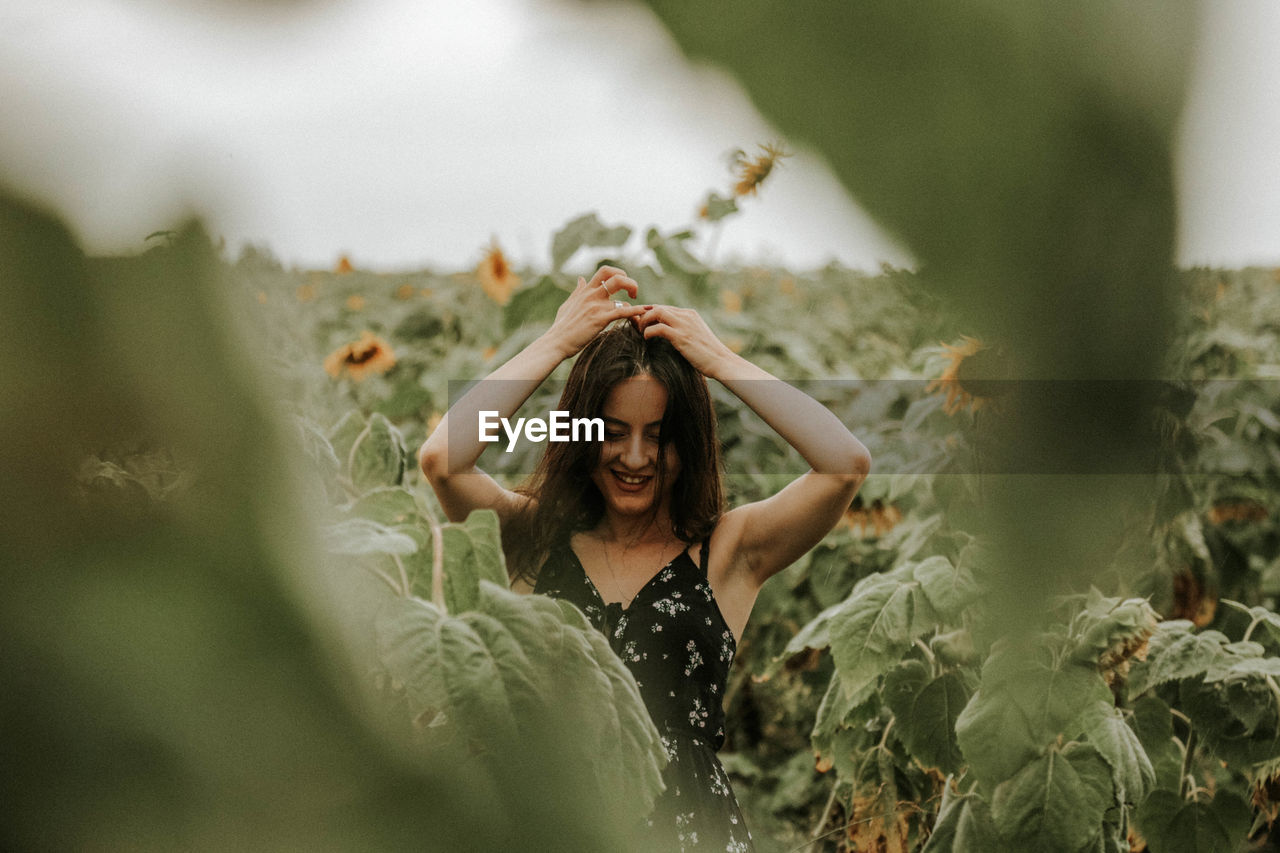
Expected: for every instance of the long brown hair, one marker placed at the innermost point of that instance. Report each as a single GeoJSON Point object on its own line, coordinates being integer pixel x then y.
{"type": "Point", "coordinates": [565, 498]}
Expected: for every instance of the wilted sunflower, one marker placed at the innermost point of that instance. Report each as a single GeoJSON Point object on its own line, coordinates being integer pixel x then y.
{"type": "Point", "coordinates": [973, 376]}
{"type": "Point", "coordinates": [496, 276]}
{"type": "Point", "coordinates": [369, 355]}
{"type": "Point", "coordinates": [879, 517]}
{"type": "Point", "coordinates": [751, 173]}
{"type": "Point", "coordinates": [1237, 510]}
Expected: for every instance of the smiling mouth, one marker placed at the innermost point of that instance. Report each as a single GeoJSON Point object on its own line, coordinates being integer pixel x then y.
{"type": "Point", "coordinates": [630, 481]}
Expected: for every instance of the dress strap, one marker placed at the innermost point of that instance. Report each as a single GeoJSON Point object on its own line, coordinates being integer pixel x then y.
{"type": "Point", "coordinates": [702, 558]}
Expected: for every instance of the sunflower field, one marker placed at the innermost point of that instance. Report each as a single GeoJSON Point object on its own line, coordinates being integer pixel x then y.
{"type": "Point", "coordinates": [235, 616]}
{"type": "Point", "coordinates": [877, 701]}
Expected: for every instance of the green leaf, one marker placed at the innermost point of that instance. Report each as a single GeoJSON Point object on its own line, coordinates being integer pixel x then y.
{"type": "Point", "coordinates": [1238, 716]}
{"type": "Point", "coordinates": [1025, 701]}
{"type": "Point", "coordinates": [537, 304]}
{"type": "Point", "coordinates": [522, 667]}
{"type": "Point", "coordinates": [448, 672]}
{"type": "Point", "coordinates": [1153, 724]}
{"type": "Point", "coordinates": [718, 207]}
{"type": "Point", "coordinates": [816, 634]}
{"type": "Point", "coordinates": [594, 696]}
{"type": "Point", "coordinates": [839, 710]}
{"type": "Point", "coordinates": [874, 626]}
{"type": "Point", "coordinates": [472, 553]}
{"type": "Point", "coordinates": [950, 589]}
{"type": "Point", "coordinates": [317, 447]}
{"type": "Point", "coordinates": [343, 434]}
{"type": "Point", "coordinates": [1176, 651]}
{"type": "Point", "coordinates": [1170, 823]}
{"type": "Point", "coordinates": [925, 711]}
{"type": "Point", "coordinates": [964, 824]}
{"type": "Point", "coordinates": [362, 536]}
{"type": "Point", "coordinates": [377, 456]}
{"type": "Point", "coordinates": [1267, 620]}
{"type": "Point", "coordinates": [1056, 802]}
{"type": "Point", "coordinates": [1105, 727]}
{"type": "Point", "coordinates": [674, 258]}
{"type": "Point", "coordinates": [586, 230]}
{"type": "Point", "coordinates": [389, 505]}
{"type": "Point", "coordinates": [407, 399]}
{"type": "Point", "coordinates": [995, 736]}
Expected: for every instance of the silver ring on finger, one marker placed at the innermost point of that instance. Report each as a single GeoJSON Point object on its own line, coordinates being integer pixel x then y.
{"type": "Point", "coordinates": [606, 290]}
{"type": "Point", "coordinates": [618, 303]}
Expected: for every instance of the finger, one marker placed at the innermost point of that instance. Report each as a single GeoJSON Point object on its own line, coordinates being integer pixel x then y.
{"type": "Point", "coordinates": [647, 317]}
{"type": "Point", "coordinates": [582, 282]}
{"type": "Point", "coordinates": [621, 282]}
{"type": "Point", "coordinates": [655, 313]}
{"type": "Point", "coordinates": [657, 330]}
{"type": "Point", "coordinates": [631, 312]}
{"type": "Point", "coordinates": [603, 274]}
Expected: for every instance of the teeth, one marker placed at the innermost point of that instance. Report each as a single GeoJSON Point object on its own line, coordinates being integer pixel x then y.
{"type": "Point", "coordinates": [631, 481]}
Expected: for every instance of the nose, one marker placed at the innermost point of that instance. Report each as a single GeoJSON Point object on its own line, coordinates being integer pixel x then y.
{"type": "Point", "coordinates": [634, 454]}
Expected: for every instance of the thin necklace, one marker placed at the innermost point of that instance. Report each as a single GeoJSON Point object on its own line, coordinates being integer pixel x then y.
{"type": "Point", "coordinates": [622, 598]}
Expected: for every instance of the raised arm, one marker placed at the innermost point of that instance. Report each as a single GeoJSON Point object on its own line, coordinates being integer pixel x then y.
{"type": "Point", "coordinates": [762, 538]}
{"type": "Point", "coordinates": [448, 456]}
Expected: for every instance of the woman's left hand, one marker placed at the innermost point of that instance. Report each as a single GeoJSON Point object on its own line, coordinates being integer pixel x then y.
{"type": "Point", "coordinates": [688, 333]}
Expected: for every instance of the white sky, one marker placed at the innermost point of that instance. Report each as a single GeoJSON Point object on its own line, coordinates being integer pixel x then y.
{"type": "Point", "coordinates": [407, 133]}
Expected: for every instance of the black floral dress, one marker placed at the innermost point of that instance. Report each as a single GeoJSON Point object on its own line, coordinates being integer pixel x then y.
{"type": "Point", "coordinates": [674, 639]}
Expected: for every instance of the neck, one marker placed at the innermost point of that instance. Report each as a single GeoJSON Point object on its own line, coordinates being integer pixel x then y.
{"type": "Point", "coordinates": [635, 530]}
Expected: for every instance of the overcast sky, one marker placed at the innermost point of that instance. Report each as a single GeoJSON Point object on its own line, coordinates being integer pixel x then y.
{"type": "Point", "coordinates": [408, 133]}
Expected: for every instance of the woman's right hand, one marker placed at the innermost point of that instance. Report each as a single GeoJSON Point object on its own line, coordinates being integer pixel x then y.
{"type": "Point", "coordinates": [591, 307]}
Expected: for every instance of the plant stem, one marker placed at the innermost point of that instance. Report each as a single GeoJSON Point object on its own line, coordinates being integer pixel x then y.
{"type": "Point", "coordinates": [1187, 755]}
{"type": "Point", "coordinates": [826, 813]}
{"type": "Point", "coordinates": [437, 564]}
{"type": "Point", "coordinates": [928, 653]}
{"type": "Point", "coordinates": [385, 578]}
{"type": "Point", "coordinates": [404, 576]}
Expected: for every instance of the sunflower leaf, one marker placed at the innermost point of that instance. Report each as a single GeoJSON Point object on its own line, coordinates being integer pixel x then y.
{"type": "Point", "coordinates": [585, 231]}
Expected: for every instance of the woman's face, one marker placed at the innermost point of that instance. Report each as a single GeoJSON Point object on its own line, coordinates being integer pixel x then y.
{"type": "Point", "coordinates": [629, 459]}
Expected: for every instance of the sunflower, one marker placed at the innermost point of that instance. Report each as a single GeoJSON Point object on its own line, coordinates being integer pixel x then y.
{"type": "Point", "coordinates": [972, 377]}
{"type": "Point", "coordinates": [355, 302]}
{"type": "Point", "coordinates": [496, 275]}
{"type": "Point", "coordinates": [344, 266]}
{"type": "Point", "coordinates": [406, 291]}
{"type": "Point", "coordinates": [306, 292]}
{"type": "Point", "coordinates": [1237, 510]}
{"type": "Point", "coordinates": [731, 301]}
{"type": "Point", "coordinates": [369, 355]}
{"type": "Point", "coordinates": [751, 173]}
{"type": "Point", "coordinates": [879, 517]}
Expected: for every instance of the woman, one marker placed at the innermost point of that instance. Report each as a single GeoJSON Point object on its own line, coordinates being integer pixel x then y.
{"type": "Point", "coordinates": [632, 529]}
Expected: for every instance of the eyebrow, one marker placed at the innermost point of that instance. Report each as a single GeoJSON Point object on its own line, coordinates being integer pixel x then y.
{"type": "Point", "coordinates": [624, 423]}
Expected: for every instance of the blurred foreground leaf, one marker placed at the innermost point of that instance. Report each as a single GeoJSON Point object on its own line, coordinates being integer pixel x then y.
{"type": "Point", "coordinates": [176, 676]}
